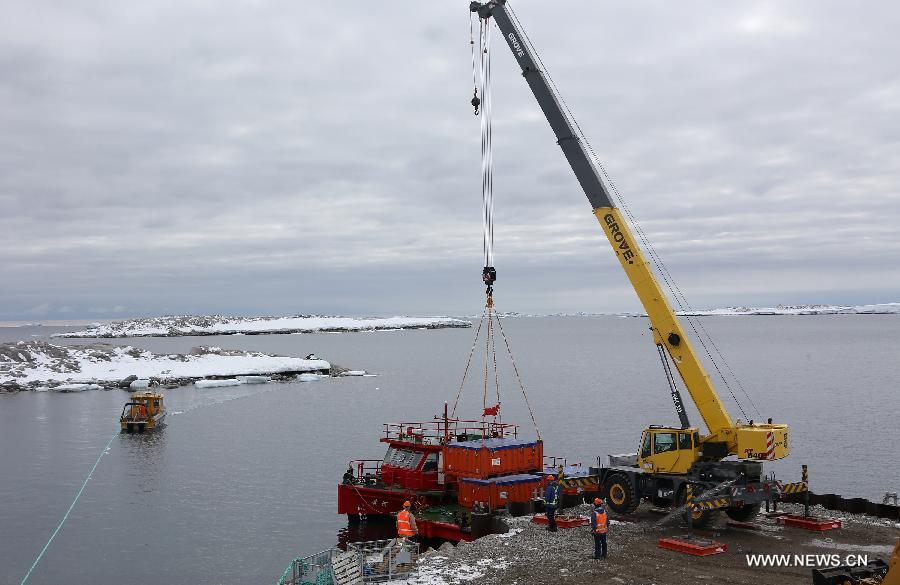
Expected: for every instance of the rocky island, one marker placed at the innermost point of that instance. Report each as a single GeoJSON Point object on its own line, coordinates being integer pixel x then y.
{"type": "Point", "coordinates": [30, 365]}
{"type": "Point", "coordinates": [186, 325]}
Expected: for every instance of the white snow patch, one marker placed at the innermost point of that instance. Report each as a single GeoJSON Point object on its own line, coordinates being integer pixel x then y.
{"type": "Point", "coordinates": [857, 548]}
{"type": "Point", "coordinates": [37, 361]}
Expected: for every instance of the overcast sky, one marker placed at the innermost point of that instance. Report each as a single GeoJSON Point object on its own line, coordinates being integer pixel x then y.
{"type": "Point", "coordinates": [272, 157]}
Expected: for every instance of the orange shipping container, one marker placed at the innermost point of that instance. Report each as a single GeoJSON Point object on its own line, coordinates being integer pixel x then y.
{"type": "Point", "coordinates": [492, 457]}
{"type": "Point", "coordinates": [498, 491]}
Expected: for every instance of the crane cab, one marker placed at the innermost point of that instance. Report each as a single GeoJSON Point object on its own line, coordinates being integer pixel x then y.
{"type": "Point", "coordinates": [668, 450]}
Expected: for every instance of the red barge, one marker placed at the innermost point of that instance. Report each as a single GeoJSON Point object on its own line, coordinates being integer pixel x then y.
{"type": "Point", "coordinates": [457, 473]}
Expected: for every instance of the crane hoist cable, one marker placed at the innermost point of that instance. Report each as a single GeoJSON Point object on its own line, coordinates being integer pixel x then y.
{"type": "Point", "coordinates": [489, 274]}
{"type": "Point", "coordinates": [476, 102]}
{"type": "Point", "coordinates": [491, 317]}
{"type": "Point", "coordinates": [481, 74]}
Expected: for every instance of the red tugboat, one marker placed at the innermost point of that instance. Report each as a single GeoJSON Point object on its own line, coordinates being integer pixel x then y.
{"type": "Point", "coordinates": [455, 472]}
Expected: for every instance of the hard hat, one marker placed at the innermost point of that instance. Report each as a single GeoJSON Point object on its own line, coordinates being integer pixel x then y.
{"type": "Point", "coordinates": [598, 502]}
{"type": "Point", "coordinates": [406, 504]}
{"type": "Point", "coordinates": [551, 478]}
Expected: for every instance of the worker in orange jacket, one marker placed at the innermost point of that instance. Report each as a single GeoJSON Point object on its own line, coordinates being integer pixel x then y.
{"type": "Point", "coordinates": [599, 528]}
{"type": "Point", "coordinates": [406, 522]}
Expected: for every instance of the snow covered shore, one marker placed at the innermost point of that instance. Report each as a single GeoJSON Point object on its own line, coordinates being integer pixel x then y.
{"type": "Point", "coordinates": [28, 364]}
{"type": "Point", "coordinates": [183, 325]}
{"type": "Point", "coordinates": [877, 309]}
{"type": "Point", "coordinates": [880, 309]}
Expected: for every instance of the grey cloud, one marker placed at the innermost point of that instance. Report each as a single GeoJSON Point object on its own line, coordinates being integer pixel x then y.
{"type": "Point", "coordinates": [268, 157]}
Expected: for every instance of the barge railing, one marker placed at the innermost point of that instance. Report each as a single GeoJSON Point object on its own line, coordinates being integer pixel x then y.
{"type": "Point", "coordinates": [442, 430]}
{"type": "Point", "coordinates": [366, 468]}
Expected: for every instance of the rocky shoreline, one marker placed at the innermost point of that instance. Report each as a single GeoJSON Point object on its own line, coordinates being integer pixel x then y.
{"type": "Point", "coordinates": [155, 382]}
{"type": "Point", "coordinates": [528, 554]}
{"type": "Point", "coordinates": [38, 365]}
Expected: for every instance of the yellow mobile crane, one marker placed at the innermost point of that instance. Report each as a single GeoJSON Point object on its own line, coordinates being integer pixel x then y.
{"type": "Point", "coordinates": [669, 458]}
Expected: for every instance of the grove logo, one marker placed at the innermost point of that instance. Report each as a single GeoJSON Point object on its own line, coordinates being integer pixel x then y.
{"type": "Point", "coordinates": [515, 44]}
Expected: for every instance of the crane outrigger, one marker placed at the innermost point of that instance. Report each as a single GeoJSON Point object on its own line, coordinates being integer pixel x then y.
{"type": "Point", "coordinates": [669, 458]}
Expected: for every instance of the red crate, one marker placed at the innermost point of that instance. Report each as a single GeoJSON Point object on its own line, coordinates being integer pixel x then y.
{"type": "Point", "coordinates": [492, 457]}
{"type": "Point", "coordinates": [807, 523]}
{"type": "Point", "coordinates": [697, 547]}
{"type": "Point", "coordinates": [497, 491]}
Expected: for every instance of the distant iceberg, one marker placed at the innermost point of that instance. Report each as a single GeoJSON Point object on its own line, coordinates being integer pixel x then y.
{"type": "Point", "coordinates": [184, 325]}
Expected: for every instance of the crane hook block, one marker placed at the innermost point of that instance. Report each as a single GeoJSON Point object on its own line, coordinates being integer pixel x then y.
{"type": "Point", "coordinates": [489, 275]}
{"type": "Point", "coordinates": [475, 101]}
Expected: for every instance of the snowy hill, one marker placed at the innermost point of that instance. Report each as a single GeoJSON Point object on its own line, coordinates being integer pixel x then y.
{"type": "Point", "coordinates": [32, 362]}
{"type": "Point", "coordinates": [184, 325]}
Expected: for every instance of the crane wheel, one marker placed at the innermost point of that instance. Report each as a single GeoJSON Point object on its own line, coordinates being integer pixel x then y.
{"type": "Point", "coordinates": [744, 513]}
{"type": "Point", "coordinates": [620, 494]}
{"type": "Point", "coordinates": [701, 518]}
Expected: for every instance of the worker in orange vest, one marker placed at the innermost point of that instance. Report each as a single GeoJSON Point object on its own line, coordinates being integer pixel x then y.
{"type": "Point", "coordinates": [406, 522]}
{"type": "Point", "coordinates": [599, 527]}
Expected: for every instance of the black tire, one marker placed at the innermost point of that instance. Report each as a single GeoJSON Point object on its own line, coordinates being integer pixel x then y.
{"type": "Point", "coordinates": [620, 493]}
{"type": "Point", "coordinates": [702, 518]}
{"type": "Point", "coordinates": [744, 513]}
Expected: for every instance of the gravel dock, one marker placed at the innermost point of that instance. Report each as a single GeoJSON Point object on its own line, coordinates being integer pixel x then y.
{"type": "Point", "coordinates": [529, 554]}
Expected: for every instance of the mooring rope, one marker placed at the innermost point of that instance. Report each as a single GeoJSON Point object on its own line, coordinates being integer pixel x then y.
{"type": "Point", "coordinates": [71, 507]}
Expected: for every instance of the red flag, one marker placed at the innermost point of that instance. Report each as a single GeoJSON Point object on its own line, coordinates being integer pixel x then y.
{"type": "Point", "coordinates": [492, 411]}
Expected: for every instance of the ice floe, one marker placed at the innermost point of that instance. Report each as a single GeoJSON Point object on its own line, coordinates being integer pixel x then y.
{"type": "Point", "coordinates": [76, 387]}
{"type": "Point", "coordinates": [217, 383]}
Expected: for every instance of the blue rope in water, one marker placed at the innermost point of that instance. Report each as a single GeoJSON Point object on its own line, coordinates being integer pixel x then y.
{"type": "Point", "coordinates": [69, 511]}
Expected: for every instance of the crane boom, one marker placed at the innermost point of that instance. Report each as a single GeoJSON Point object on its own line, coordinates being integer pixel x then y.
{"type": "Point", "coordinates": [667, 329]}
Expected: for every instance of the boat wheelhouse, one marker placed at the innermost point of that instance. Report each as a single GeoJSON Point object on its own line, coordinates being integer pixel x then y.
{"type": "Point", "coordinates": [144, 412]}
